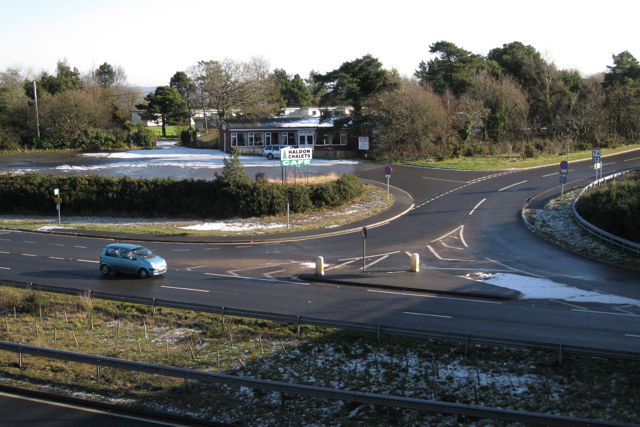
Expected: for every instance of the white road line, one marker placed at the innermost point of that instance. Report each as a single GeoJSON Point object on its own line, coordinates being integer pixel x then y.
{"type": "Point", "coordinates": [377, 261]}
{"type": "Point", "coordinates": [512, 185]}
{"type": "Point", "coordinates": [448, 180]}
{"type": "Point", "coordinates": [628, 160]}
{"type": "Point", "coordinates": [7, 240]}
{"type": "Point", "coordinates": [5, 268]}
{"type": "Point", "coordinates": [433, 296]}
{"type": "Point", "coordinates": [179, 250]}
{"type": "Point", "coordinates": [369, 256]}
{"type": "Point", "coordinates": [257, 278]}
{"type": "Point", "coordinates": [476, 206]}
{"type": "Point", "coordinates": [80, 247]}
{"type": "Point", "coordinates": [210, 249]}
{"type": "Point", "coordinates": [272, 272]}
{"type": "Point", "coordinates": [56, 244]}
{"type": "Point", "coordinates": [631, 335]}
{"type": "Point", "coordinates": [29, 255]}
{"type": "Point", "coordinates": [27, 241]}
{"type": "Point", "coordinates": [55, 257]}
{"type": "Point", "coordinates": [425, 314]}
{"type": "Point", "coordinates": [551, 174]}
{"type": "Point", "coordinates": [515, 269]}
{"type": "Point", "coordinates": [605, 312]}
{"type": "Point", "coordinates": [89, 260]}
{"type": "Point", "coordinates": [340, 265]}
{"type": "Point", "coordinates": [3, 252]}
{"type": "Point", "coordinates": [186, 289]}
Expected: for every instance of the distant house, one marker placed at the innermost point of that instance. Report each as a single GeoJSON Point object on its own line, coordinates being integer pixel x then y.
{"type": "Point", "coordinates": [136, 117]}
{"type": "Point", "coordinates": [249, 135]}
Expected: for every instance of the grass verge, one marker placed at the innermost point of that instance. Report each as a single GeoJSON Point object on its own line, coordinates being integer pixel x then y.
{"type": "Point", "coordinates": [515, 162]}
{"type": "Point", "coordinates": [421, 369]}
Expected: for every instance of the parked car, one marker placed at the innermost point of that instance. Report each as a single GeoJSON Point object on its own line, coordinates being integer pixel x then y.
{"type": "Point", "coordinates": [273, 151]}
{"type": "Point", "coordinates": [131, 259]}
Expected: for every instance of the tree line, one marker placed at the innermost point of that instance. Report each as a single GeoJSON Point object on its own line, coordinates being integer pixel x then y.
{"type": "Point", "coordinates": [511, 101]}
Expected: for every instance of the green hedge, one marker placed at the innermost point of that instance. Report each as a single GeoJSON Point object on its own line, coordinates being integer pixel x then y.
{"type": "Point", "coordinates": [32, 194]}
{"type": "Point", "coordinates": [614, 208]}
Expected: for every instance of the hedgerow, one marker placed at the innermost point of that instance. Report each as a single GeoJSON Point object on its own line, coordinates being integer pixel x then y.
{"type": "Point", "coordinates": [33, 194]}
{"type": "Point", "coordinates": [614, 208]}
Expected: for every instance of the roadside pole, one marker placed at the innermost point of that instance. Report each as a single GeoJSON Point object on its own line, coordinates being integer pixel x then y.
{"type": "Point", "coordinates": [364, 248]}
{"type": "Point", "coordinates": [387, 174]}
{"type": "Point", "coordinates": [58, 200]}
{"type": "Point", "coordinates": [564, 172]}
{"type": "Point", "coordinates": [288, 200]}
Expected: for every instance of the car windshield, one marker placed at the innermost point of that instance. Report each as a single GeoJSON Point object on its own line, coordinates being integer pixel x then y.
{"type": "Point", "coordinates": [143, 253]}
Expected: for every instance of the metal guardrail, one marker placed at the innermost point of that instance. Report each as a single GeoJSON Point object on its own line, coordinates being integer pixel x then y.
{"type": "Point", "coordinates": [379, 330]}
{"type": "Point", "coordinates": [311, 391]}
{"type": "Point", "coordinates": [619, 241]}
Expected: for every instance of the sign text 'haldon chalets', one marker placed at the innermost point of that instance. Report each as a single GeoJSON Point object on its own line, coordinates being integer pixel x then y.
{"type": "Point", "coordinates": [290, 156]}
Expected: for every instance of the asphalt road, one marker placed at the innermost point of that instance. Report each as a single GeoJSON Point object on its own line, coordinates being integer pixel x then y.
{"type": "Point", "coordinates": [461, 222]}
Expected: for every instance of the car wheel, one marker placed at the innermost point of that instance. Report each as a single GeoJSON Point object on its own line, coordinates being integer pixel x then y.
{"type": "Point", "coordinates": [143, 273]}
{"type": "Point", "coordinates": [270, 156]}
{"type": "Point", "coordinates": [105, 269]}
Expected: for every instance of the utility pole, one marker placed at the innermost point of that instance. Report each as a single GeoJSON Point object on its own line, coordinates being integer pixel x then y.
{"type": "Point", "coordinates": [35, 97]}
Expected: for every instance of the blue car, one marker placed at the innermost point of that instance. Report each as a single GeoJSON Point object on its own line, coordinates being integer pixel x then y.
{"type": "Point", "coordinates": [131, 259]}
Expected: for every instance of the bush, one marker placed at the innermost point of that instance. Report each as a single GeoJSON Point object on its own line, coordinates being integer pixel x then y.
{"type": "Point", "coordinates": [614, 208]}
{"type": "Point", "coordinates": [220, 198]}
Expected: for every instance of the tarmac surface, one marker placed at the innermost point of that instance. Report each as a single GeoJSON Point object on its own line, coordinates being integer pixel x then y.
{"type": "Point", "coordinates": [429, 281]}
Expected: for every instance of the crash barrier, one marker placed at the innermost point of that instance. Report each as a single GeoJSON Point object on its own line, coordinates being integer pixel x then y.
{"type": "Point", "coordinates": [619, 241]}
{"type": "Point", "coordinates": [468, 340]}
{"type": "Point", "coordinates": [309, 391]}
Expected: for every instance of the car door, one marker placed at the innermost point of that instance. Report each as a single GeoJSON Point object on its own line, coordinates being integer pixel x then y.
{"type": "Point", "coordinates": [128, 261]}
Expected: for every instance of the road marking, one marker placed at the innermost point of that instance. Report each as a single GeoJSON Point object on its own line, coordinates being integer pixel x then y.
{"type": "Point", "coordinates": [448, 180]}
{"type": "Point", "coordinates": [606, 312]}
{"type": "Point", "coordinates": [551, 174]}
{"type": "Point", "coordinates": [29, 255]}
{"type": "Point", "coordinates": [257, 278]}
{"type": "Point", "coordinates": [2, 252]}
{"type": "Point", "coordinates": [80, 247]}
{"type": "Point", "coordinates": [512, 185]}
{"type": "Point", "coordinates": [179, 250]}
{"type": "Point", "coordinates": [7, 240]}
{"type": "Point", "coordinates": [211, 249]}
{"type": "Point", "coordinates": [433, 251]}
{"type": "Point", "coordinates": [369, 256]}
{"type": "Point", "coordinates": [515, 269]}
{"type": "Point", "coordinates": [476, 206]}
{"type": "Point", "coordinates": [628, 160]}
{"type": "Point", "coordinates": [5, 268]}
{"type": "Point", "coordinates": [56, 244]}
{"type": "Point", "coordinates": [89, 260]}
{"type": "Point", "coordinates": [272, 272]}
{"type": "Point", "coordinates": [631, 335]}
{"type": "Point", "coordinates": [428, 315]}
{"type": "Point", "coordinates": [27, 241]}
{"type": "Point", "coordinates": [185, 289]}
{"type": "Point", "coordinates": [55, 257]}
{"type": "Point", "coordinates": [433, 296]}
{"type": "Point", "coordinates": [377, 261]}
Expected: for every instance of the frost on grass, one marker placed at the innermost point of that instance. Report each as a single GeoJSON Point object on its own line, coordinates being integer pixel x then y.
{"type": "Point", "coordinates": [556, 224]}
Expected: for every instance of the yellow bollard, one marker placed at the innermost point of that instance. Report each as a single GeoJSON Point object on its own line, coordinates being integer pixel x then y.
{"type": "Point", "coordinates": [415, 263]}
{"type": "Point", "coordinates": [319, 266]}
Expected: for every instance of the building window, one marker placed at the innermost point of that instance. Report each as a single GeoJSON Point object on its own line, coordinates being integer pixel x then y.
{"type": "Point", "coordinates": [255, 139]}
{"type": "Point", "coordinates": [288, 138]}
{"type": "Point", "coordinates": [258, 139]}
{"type": "Point", "coordinates": [325, 140]}
{"type": "Point", "coordinates": [271, 138]}
{"type": "Point", "coordinates": [305, 139]}
{"type": "Point", "coordinates": [237, 140]}
{"type": "Point", "coordinates": [343, 138]}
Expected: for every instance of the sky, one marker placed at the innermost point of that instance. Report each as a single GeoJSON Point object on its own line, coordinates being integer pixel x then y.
{"type": "Point", "coordinates": [153, 39]}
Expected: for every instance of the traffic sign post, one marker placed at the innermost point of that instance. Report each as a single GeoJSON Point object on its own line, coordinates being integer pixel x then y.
{"type": "Point", "coordinates": [387, 174]}
{"type": "Point", "coordinates": [568, 145]}
{"type": "Point", "coordinates": [364, 248]}
{"type": "Point", "coordinates": [595, 157]}
{"type": "Point", "coordinates": [564, 173]}
{"type": "Point", "coordinates": [288, 200]}
{"type": "Point", "coordinates": [58, 200]}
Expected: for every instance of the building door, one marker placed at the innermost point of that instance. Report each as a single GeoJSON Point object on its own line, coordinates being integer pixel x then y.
{"type": "Point", "coordinates": [305, 139]}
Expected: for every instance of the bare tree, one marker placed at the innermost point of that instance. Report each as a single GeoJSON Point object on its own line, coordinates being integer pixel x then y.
{"type": "Point", "coordinates": [408, 122]}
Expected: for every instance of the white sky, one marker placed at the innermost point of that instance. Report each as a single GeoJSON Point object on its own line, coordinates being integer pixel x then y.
{"type": "Point", "coordinates": [152, 39]}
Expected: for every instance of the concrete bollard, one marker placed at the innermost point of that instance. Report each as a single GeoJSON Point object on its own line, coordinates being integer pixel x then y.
{"type": "Point", "coordinates": [320, 266]}
{"type": "Point", "coordinates": [415, 263]}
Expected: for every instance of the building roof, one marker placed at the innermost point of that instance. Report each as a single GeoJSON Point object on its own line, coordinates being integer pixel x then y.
{"type": "Point", "coordinates": [277, 122]}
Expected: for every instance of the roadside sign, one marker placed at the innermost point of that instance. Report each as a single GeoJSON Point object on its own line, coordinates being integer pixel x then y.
{"type": "Point", "coordinates": [364, 232]}
{"type": "Point", "coordinates": [564, 164]}
{"type": "Point", "coordinates": [58, 200]}
{"type": "Point", "coordinates": [596, 155]}
{"type": "Point", "coordinates": [563, 179]}
{"type": "Point", "coordinates": [568, 141]}
{"type": "Point", "coordinates": [388, 170]}
{"type": "Point", "coordinates": [564, 171]}
{"type": "Point", "coordinates": [290, 156]}
{"type": "Point", "coordinates": [363, 142]}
